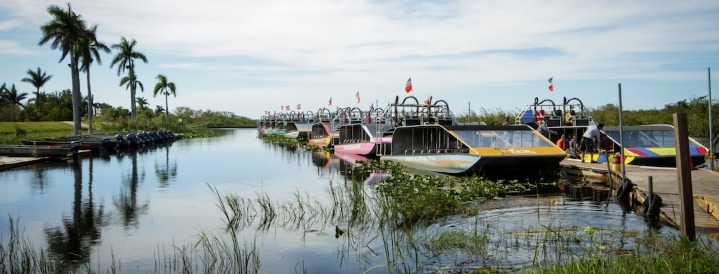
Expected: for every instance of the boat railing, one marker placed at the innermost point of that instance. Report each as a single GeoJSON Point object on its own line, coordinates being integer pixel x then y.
{"type": "Point", "coordinates": [435, 151]}
{"type": "Point", "coordinates": [555, 116]}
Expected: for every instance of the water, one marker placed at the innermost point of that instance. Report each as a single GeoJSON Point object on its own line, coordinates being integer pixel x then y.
{"type": "Point", "coordinates": [139, 206]}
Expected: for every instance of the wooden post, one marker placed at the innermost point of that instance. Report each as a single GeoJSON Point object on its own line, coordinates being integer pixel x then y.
{"type": "Point", "coordinates": [686, 201]}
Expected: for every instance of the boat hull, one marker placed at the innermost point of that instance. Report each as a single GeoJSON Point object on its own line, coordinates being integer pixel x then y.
{"type": "Point", "coordinates": [441, 163]}
{"type": "Point", "coordinates": [364, 148]}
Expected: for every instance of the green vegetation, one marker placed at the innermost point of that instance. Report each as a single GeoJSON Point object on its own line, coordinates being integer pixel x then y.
{"type": "Point", "coordinates": [14, 132]}
{"type": "Point", "coordinates": [195, 123]}
{"type": "Point", "coordinates": [656, 255]}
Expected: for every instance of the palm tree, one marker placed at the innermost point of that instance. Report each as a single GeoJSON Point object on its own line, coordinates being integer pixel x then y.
{"type": "Point", "coordinates": [130, 82]}
{"type": "Point", "coordinates": [125, 59]}
{"type": "Point", "coordinates": [37, 79]}
{"type": "Point", "coordinates": [65, 31]}
{"type": "Point", "coordinates": [3, 90]}
{"type": "Point", "coordinates": [165, 88]}
{"type": "Point", "coordinates": [142, 102]}
{"type": "Point", "coordinates": [159, 109]}
{"type": "Point", "coordinates": [14, 98]}
{"type": "Point", "coordinates": [89, 51]}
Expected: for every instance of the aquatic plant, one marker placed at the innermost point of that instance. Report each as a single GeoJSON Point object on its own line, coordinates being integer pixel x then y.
{"type": "Point", "coordinates": [291, 142]}
{"type": "Point", "coordinates": [416, 198]}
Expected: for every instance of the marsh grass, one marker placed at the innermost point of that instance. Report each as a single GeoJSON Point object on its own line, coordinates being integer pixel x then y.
{"type": "Point", "coordinates": [656, 254]}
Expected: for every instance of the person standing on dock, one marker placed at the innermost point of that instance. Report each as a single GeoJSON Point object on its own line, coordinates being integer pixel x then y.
{"type": "Point", "coordinates": [590, 136]}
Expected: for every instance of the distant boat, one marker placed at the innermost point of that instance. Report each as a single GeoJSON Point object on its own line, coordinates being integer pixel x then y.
{"type": "Point", "coordinates": [372, 135]}
{"type": "Point", "coordinates": [366, 137]}
{"type": "Point", "coordinates": [325, 130]}
{"type": "Point", "coordinates": [299, 125]}
{"type": "Point", "coordinates": [462, 149]}
{"type": "Point", "coordinates": [652, 145]}
{"type": "Point", "coordinates": [50, 151]}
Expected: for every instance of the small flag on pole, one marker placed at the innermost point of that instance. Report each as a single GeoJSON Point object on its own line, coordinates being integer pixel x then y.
{"type": "Point", "coordinates": [551, 85]}
{"type": "Point", "coordinates": [427, 101]}
{"type": "Point", "coordinates": [287, 108]}
{"type": "Point", "coordinates": [358, 97]}
{"type": "Point", "coordinates": [330, 103]}
{"type": "Point", "coordinates": [408, 87]}
{"type": "Point", "coordinates": [299, 106]}
{"type": "Point", "coordinates": [371, 106]}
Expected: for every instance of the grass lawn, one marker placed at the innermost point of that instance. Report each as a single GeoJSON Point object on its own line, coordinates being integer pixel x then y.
{"type": "Point", "coordinates": [13, 132]}
{"type": "Point", "coordinates": [34, 127]}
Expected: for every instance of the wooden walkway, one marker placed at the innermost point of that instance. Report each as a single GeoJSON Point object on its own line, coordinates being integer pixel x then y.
{"type": "Point", "coordinates": [11, 162]}
{"type": "Point", "coordinates": [705, 188]}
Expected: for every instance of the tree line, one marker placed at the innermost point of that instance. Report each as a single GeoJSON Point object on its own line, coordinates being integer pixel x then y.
{"type": "Point", "coordinates": [68, 32]}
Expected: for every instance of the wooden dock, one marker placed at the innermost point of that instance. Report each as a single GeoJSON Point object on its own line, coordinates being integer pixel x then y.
{"type": "Point", "coordinates": [7, 162]}
{"type": "Point", "coordinates": [705, 189]}
{"type": "Point", "coordinates": [12, 162]}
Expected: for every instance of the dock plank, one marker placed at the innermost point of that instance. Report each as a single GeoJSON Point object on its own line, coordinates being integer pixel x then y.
{"type": "Point", "coordinates": [12, 162]}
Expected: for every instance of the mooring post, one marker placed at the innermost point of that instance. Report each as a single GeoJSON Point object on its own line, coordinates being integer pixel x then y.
{"type": "Point", "coordinates": [686, 202]}
{"type": "Point", "coordinates": [712, 151]}
{"type": "Point", "coordinates": [651, 190]}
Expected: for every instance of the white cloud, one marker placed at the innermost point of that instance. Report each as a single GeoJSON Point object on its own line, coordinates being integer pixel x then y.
{"type": "Point", "coordinates": [323, 47]}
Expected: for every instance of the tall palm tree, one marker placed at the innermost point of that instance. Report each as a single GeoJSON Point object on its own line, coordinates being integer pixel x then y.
{"type": "Point", "coordinates": [65, 30]}
{"type": "Point", "coordinates": [14, 98]}
{"type": "Point", "coordinates": [89, 51]}
{"type": "Point", "coordinates": [142, 102]}
{"type": "Point", "coordinates": [37, 79]}
{"type": "Point", "coordinates": [165, 88]}
{"type": "Point", "coordinates": [130, 82]}
{"type": "Point", "coordinates": [125, 59]}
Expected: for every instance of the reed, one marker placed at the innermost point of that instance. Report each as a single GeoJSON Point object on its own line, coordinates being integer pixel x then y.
{"type": "Point", "coordinates": [658, 254]}
{"type": "Point", "coordinates": [18, 255]}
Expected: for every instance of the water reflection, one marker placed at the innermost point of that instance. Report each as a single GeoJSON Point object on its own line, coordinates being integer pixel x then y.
{"type": "Point", "coordinates": [72, 241]}
{"type": "Point", "coordinates": [126, 202]}
{"type": "Point", "coordinates": [305, 210]}
{"type": "Point", "coordinates": [166, 171]}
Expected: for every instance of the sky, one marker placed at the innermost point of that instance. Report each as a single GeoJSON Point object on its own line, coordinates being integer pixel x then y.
{"type": "Point", "coordinates": [252, 56]}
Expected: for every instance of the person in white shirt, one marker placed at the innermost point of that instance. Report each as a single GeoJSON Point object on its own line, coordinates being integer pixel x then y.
{"type": "Point", "coordinates": [590, 136]}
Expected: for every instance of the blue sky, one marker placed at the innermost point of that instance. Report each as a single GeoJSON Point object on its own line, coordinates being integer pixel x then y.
{"type": "Point", "coordinates": [250, 56]}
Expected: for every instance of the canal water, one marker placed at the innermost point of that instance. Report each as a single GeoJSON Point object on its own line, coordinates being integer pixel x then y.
{"type": "Point", "coordinates": [134, 210]}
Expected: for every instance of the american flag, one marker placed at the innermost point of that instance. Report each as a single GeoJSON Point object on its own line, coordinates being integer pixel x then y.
{"type": "Point", "coordinates": [299, 106]}
{"type": "Point", "coordinates": [357, 95]}
{"type": "Point", "coordinates": [408, 87]}
{"type": "Point", "coordinates": [330, 104]}
{"type": "Point", "coordinates": [551, 85]}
